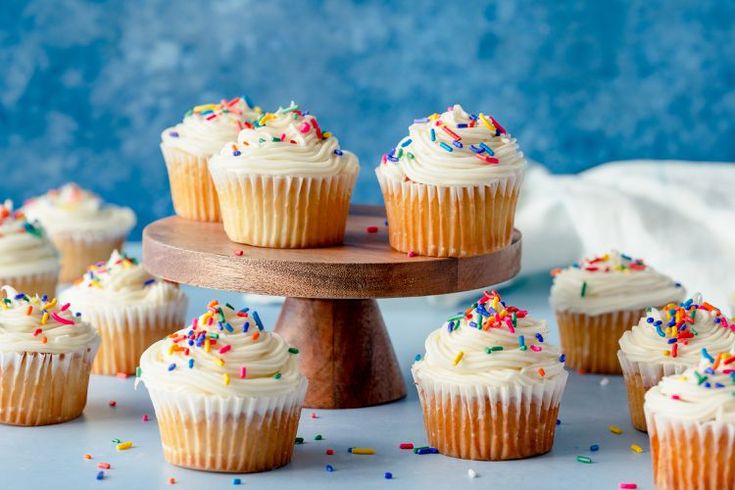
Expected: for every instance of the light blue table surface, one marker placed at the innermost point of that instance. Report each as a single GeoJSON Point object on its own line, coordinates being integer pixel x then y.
{"type": "Point", "coordinates": [52, 456]}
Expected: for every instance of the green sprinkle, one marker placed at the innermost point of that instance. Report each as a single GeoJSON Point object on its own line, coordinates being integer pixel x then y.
{"type": "Point", "coordinates": [293, 350]}
{"type": "Point", "coordinates": [523, 347]}
{"type": "Point", "coordinates": [221, 314]}
{"type": "Point", "coordinates": [488, 350]}
{"type": "Point", "coordinates": [497, 348]}
{"type": "Point", "coordinates": [116, 441]}
{"type": "Point", "coordinates": [299, 440]}
{"type": "Point", "coordinates": [318, 437]}
{"type": "Point", "coordinates": [584, 459]}
{"type": "Point", "coordinates": [229, 306]}
{"type": "Point", "coordinates": [417, 449]}
{"type": "Point", "coordinates": [138, 372]}
{"type": "Point", "coordinates": [400, 153]}
{"type": "Point", "coordinates": [700, 379]}
{"type": "Point", "coordinates": [515, 319]}
{"type": "Point", "coordinates": [409, 155]}
{"type": "Point", "coordinates": [277, 375]}
{"type": "Point", "coordinates": [584, 289]}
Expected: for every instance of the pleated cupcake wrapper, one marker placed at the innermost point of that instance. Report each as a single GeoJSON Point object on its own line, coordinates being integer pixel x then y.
{"type": "Point", "coordinates": [44, 388]}
{"type": "Point", "coordinates": [79, 251]}
{"type": "Point", "coordinates": [36, 282]}
{"type": "Point", "coordinates": [284, 211]}
{"type": "Point", "coordinates": [690, 455]}
{"type": "Point", "coordinates": [234, 435]}
{"type": "Point", "coordinates": [639, 378]}
{"type": "Point", "coordinates": [450, 221]}
{"type": "Point", "coordinates": [490, 423]}
{"type": "Point", "coordinates": [129, 330]}
{"type": "Point", "coordinates": [192, 190]}
{"type": "Point", "coordinates": [590, 342]}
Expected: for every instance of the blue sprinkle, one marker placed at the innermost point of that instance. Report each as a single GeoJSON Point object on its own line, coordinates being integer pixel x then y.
{"type": "Point", "coordinates": [19, 296]}
{"type": "Point", "coordinates": [539, 337]}
{"type": "Point", "coordinates": [191, 363]}
{"type": "Point", "coordinates": [458, 144]}
{"type": "Point", "coordinates": [717, 319]}
{"type": "Point", "coordinates": [248, 101]}
{"type": "Point", "coordinates": [44, 298]}
{"type": "Point", "coordinates": [706, 355]}
{"type": "Point", "coordinates": [707, 384]}
{"type": "Point", "coordinates": [427, 450]}
{"type": "Point", "coordinates": [338, 152]}
{"type": "Point", "coordinates": [562, 358]}
{"type": "Point", "coordinates": [236, 153]}
{"type": "Point", "coordinates": [677, 284]}
{"type": "Point", "coordinates": [244, 310]}
{"type": "Point", "coordinates": [659, 331]}
{"type": "Point", "coordinates": [626, 257]}
{"type": "Point", "coordinates": [462, 125]}
{"type": "Point", "coordinates": [149, 282]}
{"type": "Point", "coordinates": [406, 143]}
{"type": "Point", "coordinates": [329, 468]}
{"type": "Point", "coordinates": [671, 341]}
{"type": "Point", "coordinates": [472, 324]}
{"type": "Point", "coordinates": [445, 146]}
{"type": "Point", "coordinates": [487, 149]}
{"type": "Point", "coordinates": [476, 149]}
{"type": "Point", "coordinates": [417, 358]}
{"type": "Point", "coordinates": [649, 319]}
{"type": "Point", "coordinates": [421, 121]}
{"type": "Point", "coordinates": [256, 317]}
{"type": "Point", "coordinates": [236, 481]}
{"type": "Point", "coordinates": [101, 475]}
{"type": "Point", "coordinates": [450, 326]}
{"type": "Point", "coordinates": [710, 371]}
{"type": "Point", "coordinates": [173, 134]}
{"type": "Point", "coordinates": [388, 475]}
{"type": "Point", "coordinates": [432, 134]}
{"type": "Point", "coordinates": [594, 447]}
{"type": "Point", "coordinates": [229, 328]}
{"type": "Point", "coordinates": [558, 421]}
{"type": "Point", "coordinates": [171, 366]}
{"type": "Point", "coordinates": [245, 327]}
{"type": "Point", "coordinates": [719, 385]}
{"type": "Point", "coordinates": [190, 342]}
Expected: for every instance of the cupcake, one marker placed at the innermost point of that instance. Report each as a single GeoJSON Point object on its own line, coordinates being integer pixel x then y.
{"type": "Point", "coordinates": [284, 183]}
{"type": "Point", "coordinates": [489, 384]}
{"type": "Point", "coordinates": [451, 185]}
{"type": "Point", "coordinates": [666, 342]}
{"type": "Point", "coordinates": [691, 425]}
{"type": "Point", "coordinates": [83, 228]}
{"type": "Point", "coordinates": [129, 308]}
{"type": "Point", "coordinates": [46, 354]}
{"type": "Point", "coordinates": [599, 299]}
{"type": "Point", "coordinates": [188, 146]}
{"type": "Point", "coordinates": [28, 260]}
{"type": "Point", "coordinates": [227, 393]}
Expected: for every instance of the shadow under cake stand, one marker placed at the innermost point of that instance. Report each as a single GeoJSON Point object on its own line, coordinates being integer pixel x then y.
{"type": "Point", "coordinates": [330, 313]}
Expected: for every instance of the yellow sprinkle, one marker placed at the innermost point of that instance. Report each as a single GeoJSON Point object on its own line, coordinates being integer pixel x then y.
{"type": "Point", "coordinates": [636, 448]}
{"type": "Point", "coordinates": [124, 445]}
{"type": "Point", "coordinates": [363, 450]}
{"type": "Point", "coordinates": [257, 108]}
{"type": "Point", "coordinates": [50, 304]}
{"type": "Point", "coordinates": [666, 353]}
{"type": "Point", "coordinates": [434, 117]}
{"type": "Point", "coordinates": [487, 122]}
{"type": "Point", "coordinates": [615, 429]}
{"type": "Point", "coordinates": [171, 349]}
{"type": "Point", "coordinates": [206, 107]}
{"type": "Point", "coordinates": [226, 378]}
{"type": "Point", "coordinates": [219, 361]}
{"type": "Point", "coordinates": [327, 134]}
{"type": "Point", "coordinates": [44, 318]}
{"type": "Point", "coordinates": [207, 345]}
{"type": "Point", "coordinates": [458, 357]}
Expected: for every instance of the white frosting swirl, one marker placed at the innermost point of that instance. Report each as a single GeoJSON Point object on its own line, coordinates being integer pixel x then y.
{"type": "Point", "coordinates": [287, 142]}
{"type": "Point", "coordinates": [207, 127]}
{"type": "Point", "coordinates": [24, 247]}
{"type": "Point", "coordinates": [207, 358]}
{"type": "Point", "coordinates": [703, 393]}
{"type": "Point", "coordinates": [612, 282]}
{"type": "Point", "coordinates": [71, 209]}
{"type": "Point", "coordinates": [33, 324]}
{"type": "Point", "coordinates": [451, 149]}
{"type": "Point", "coordinates": [508, 348]}
{"type": "Point", "coordinates": [119, 281]}
{"type": "Point", "coordinates": [676, 334]}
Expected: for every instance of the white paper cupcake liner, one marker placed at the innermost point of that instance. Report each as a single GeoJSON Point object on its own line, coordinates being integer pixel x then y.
{"type": "Point", "coordinates": [44, 388]}
{"type": "Point", "coordinates": [689, 455]}
{"type": "Point", "coordinates": [450, 221]}
{"type": "Point", "coordinates": [488, 422]}
{"type": "Point", "coordinates": [40, 283]}
{"type": "Point", "coordinates": [234, 434]}
{"type": "Point", "coordinates": [127, 331]}
{"type": "Point", "coordinates": [192, 190]}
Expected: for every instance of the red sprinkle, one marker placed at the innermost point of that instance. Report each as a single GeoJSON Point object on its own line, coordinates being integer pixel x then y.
{"type": "Point", "coordinates": [329, 452]}
{"type": "Point", "coordinates": [406, 445]}
{"type": "Point", "coordinates": [224, 349]}
{"type": "Point", "coordinates": [675, 397]}
{"type": "Point", "coordinates": [103, 466]}
{"type": "Point", "coordinates": [145, 417]}
{"type": "Point", "coordinates": [122, 375]}
{"type": "Point", "coordinates": [372, 229]}
{"type": "Point", "coordinates": [112, 403]}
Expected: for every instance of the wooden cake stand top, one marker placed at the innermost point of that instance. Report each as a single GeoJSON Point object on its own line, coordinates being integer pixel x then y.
{"type": "Point", "coordinates": [365, 266]}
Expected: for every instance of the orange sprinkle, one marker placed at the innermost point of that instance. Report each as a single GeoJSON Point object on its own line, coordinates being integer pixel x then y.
{"type": "Point", "coordinates": [44, 340]}
{"type": "Point", "coordinates": [171, 480]}
{"type": "Point", "coordinates": [256, 335]}
{"type": "Point", "coordinates": [29, 310]}
{"type": "Point", "coordinates": [555, 271]}
{"type": "Point", "coordinates": [87, 456]}
{"type": "Point", "coordinates": [541, 372]}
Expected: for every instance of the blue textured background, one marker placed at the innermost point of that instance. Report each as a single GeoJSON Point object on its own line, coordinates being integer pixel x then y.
{"type": "Point", "coordinates": [86, 87]}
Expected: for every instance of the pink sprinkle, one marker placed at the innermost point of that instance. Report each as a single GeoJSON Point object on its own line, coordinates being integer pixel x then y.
{"type": "Point", "coordinates": [283, 136]}
{"type": "Point", "coordinates": [628, 486]}
{"type": "Point", "coordinates": [675, 397]}
{"type": "Point", "coordinates": [122, 375]}
{"type": "Point", "coordinates": [535, 348]}
{"type": "Point", "coordinates": [411, 253]}
{"type": "Point", "coordinates": [145, 417]}
{"type": "Point", "coordinates": [239, 252]}
{"type": "Point", "coordinates": [406, 445]}
{"type": "Point", "coordinates": [225, 348]}
{"type": "Point", "coordinates": [211, 116]}
{"type": "Point", "coordinates": [314, 415]}
{"type": "Point", "coordinates": [243, 372]}
{"type": "Point", "coordinates": [194, 323]}
{"type": "Point", "coordinates": [61, 320]}
{"type": "Point", "coordinates": [305, 127]}
{"type": "Point", "coordinates": [65, 307]}
{"type": "Point", "coordinates": [104, 466]}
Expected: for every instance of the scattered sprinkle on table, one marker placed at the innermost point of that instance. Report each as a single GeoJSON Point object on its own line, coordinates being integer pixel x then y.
{"type": "Point", "coordinates": [145, 417]}
{"type": "Point", "coordinates": [329, 468]}
{"type": "Point", "coordinates": [171, 480]}
{"type": "Point", "coordinates": [558, 421]}
{"type": "Point", "coordinates": [112, 403]}
{"type": "Point", "coordinates": [87, 456]}
{"type": "Point", "coordinates": [314, 415]}
{"type": "Point", "coordinates": [615, 430]}
{"type": "Point", "coordinates": [116, 441]}
{"type": "Point", "coordinates": [471, 473]}
{"type": "Point", "coordinates": [239, 252]}
{"type": "Point", "coordinates": [584, 459]}
{"type": "Point", "coordinates": [236, 481]}
{"type": "Point", "coordinates": [123, 446]}
{"type": "Point", "coordinates": [318, 437]}
{"type": "Point", "coordinates": [594, 447]}
{"type": "Point", "coordinates": [100, 475]}
{"type": "Point", "coordinates": [388, 475]}
{"type": "Point", "coordinates": [426, 450]}
{"type": "Point", "coordinates": [604, 381]}
{"type": "Point", "coordinates": [411, 253]}
{"type": "Point", "coordinates": [636, 448]}
{"type": "Point", "coordinates": [372, 229]}
{"type": "Point", "coordinates": [122, 375]}
{"type": "Point", "coordinates": [103, 466]}
{"type": "Point", "coordinates": [361, 450]}
{"type": "Point", "coordinates": [406, 445]}
{"type": "Point", "coordinates": [299, 440]}
{"type": "Point", "coordinates": [329, 452]}
{"type": "Point", "coordinates": [628, 486]}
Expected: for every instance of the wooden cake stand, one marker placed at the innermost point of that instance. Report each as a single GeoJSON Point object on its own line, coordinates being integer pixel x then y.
{"type": "Point", "coordinates": [330, 312]}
